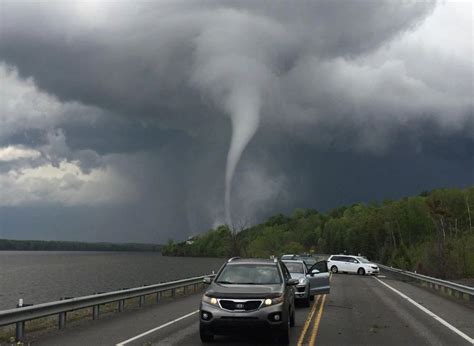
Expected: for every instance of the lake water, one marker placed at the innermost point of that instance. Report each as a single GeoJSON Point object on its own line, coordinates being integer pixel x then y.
{"type": "Point", "coordinates": [43, 276]}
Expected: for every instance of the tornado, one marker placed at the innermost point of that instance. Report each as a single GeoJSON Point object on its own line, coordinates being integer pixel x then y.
{"type": "Point", "coordinates": [244, 107]}
{"type": "Point", "coordinates": [236, 80]}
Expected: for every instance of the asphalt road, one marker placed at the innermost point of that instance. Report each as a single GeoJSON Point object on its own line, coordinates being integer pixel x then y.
{"type": "Point", "coordinates": [358, 311]}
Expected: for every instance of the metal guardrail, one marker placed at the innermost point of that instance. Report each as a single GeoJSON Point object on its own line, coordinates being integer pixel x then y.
{"type": "Point", "coordinates": [445, 287]}
{"type": "Point", "coordinates": [20, 315]}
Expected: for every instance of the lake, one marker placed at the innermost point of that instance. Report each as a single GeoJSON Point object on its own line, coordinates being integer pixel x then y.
{"type": "Point", "coordinates": [43, 276]}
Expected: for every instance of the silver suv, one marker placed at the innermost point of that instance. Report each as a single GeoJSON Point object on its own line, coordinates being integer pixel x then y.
{"type": "Point", "coordinates": [312, 281]}
{"type": "Point", "coordinates": [249, 294]}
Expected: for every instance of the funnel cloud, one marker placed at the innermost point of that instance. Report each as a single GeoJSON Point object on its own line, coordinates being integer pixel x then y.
{"type": "Point", "coordinates": [244, 105]}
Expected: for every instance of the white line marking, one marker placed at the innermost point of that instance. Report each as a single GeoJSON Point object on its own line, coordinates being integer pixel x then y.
{"type": "Point", "coordinates": [157, 328]}
{"type": "Point", "coordinates": [425, 310]}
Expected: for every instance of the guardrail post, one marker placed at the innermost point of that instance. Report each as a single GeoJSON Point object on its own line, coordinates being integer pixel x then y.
{"type": "Point", "coordinates": [61, 320]}
{"type": "Point", "coordinates": [141, 302]}
{"type": "Point", "coordinates": [20, 326]}
{"type": "Point", "coordinates": [173, 292]}
{"type": "Point", "coordinates": [95, 312]}
{"type": "Point", "coordinates": [20, 330]}
{"type": "Point", "coordinates": [158, 296]}
{"type": "Point", "coordinates": [121, 305]}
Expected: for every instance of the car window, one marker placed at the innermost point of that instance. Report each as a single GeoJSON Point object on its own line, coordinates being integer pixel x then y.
{"type": "Point", "coordinates": [336, 258]}
{"type": "Point", "coordinates": [286, 273]}
{"type": "Point", "coordinates": [322, 266]}
{"type": "Point", "coordinates": [251, 274]}
{"type": "Point", "coordinates": [294, 267]}
{"type": "Point", "coordinates": [363, 260]}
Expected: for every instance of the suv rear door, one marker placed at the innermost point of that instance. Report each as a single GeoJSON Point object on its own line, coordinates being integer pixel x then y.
{"type": "Point", "coordinates": [319, 282]}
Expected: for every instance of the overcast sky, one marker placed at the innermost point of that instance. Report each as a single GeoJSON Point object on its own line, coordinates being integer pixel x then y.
{"type": "Point", "coordinates": [127, 121]}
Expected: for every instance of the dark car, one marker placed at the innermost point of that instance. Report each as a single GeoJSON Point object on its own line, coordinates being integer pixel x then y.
{"type": "Point", "coordinates": [308, 259]}
{"type": "Point", "coordinates": [249, 294]}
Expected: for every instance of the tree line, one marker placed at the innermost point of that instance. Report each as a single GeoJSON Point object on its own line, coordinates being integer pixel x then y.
{"type": "Point", "coordinates": [41, 245]}
{"type": "Point", "coordinates": [431, 233]}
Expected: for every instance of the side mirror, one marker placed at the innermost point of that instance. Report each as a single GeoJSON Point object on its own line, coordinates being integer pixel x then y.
{"type": "Point", "coordinates": [207, 280]}
{"type": "Point", "coordinates": [292, 282]}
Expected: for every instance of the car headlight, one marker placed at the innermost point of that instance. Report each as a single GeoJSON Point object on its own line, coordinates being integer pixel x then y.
{"type": "Point", "coordinates": [273, 301]}
{"type": "Point", "coordinates": [303, 281]}
{"type": "Point", "coordinates": [209, 300]}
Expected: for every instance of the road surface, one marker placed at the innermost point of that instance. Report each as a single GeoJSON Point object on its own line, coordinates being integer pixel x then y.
{"type": "Point", "coordinates": [358, 311]}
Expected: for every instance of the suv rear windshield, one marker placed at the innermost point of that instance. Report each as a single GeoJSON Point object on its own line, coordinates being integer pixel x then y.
{"type": "Point", "coordinates": [249, 274]}
{"type": "Point", "coordinates": [294, 267]}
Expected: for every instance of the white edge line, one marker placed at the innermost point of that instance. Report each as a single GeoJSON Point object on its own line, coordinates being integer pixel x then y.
{"type": "Point", "coordinates": [425, 310]}
{"type": "Point", "coordinates": [157, 328]}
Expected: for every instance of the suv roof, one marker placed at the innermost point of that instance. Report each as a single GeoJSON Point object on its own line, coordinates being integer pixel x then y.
{"type": "Point", "coordinates": [251, 261]}
{"type": "Point", "coordinates": [293, 261]}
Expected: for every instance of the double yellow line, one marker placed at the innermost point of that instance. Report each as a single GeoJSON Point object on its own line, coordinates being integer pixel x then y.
{"type": "Point", "coordinates": [318, 310]}
{"type": "Point", "coordinates": [314, 331]}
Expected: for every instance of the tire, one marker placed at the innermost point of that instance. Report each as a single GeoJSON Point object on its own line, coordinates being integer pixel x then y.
{"type": "Point", "coordinates": [334, 269]}
{"type": "Point", "coordinates": [283, 337]}
{"type": "Point", "coordinates": [292, 318]}
{"type": "Point", "coordinates": [306, 302]}
{"type": "Point", "coordinates": [311, 297]}
{"type": "Point", "coordinates": [361, 271]}
{"type": "Point", "coordinates": [205, 335]}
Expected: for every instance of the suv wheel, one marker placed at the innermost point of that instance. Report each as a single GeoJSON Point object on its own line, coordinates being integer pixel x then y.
{"type": "Point", "coordinates": [283, 337]}
{"type": "Point", "coordinates": [361, 271]}
{"type": "Point", "coordinates": [307, 301]}
{"type": "Point", "coordinates": [205, 335]}
{"type": "Point", "coordinates": [334, 269]}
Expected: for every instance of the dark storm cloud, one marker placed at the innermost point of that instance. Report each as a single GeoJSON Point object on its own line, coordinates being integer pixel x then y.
{"type": "Point", "coordinates": [140, 95]}
{"type": "Point", "coordinates": [138, 60]}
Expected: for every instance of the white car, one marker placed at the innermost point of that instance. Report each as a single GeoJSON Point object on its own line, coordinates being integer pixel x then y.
{"type": "Point", "coordinates": [352, 264]}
